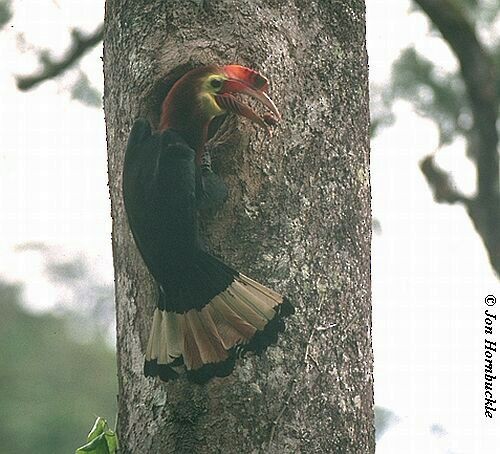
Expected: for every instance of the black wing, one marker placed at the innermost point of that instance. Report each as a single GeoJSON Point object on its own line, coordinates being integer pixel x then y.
{"type": "Point", "coordinates": [159, 195]}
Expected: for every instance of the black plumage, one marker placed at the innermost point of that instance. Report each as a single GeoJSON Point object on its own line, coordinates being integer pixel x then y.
{"type": "Point", "coordinates": [206, 309]}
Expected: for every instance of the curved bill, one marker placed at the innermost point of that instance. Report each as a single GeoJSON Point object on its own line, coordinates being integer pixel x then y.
{"type": "Point", "coordinates": [230, 103]}
{"type": "Point", "coordinates": [247, 82]}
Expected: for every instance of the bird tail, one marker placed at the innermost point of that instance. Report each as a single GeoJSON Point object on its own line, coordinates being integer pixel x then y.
{"type": "Point", "coordinates": [235, 315]}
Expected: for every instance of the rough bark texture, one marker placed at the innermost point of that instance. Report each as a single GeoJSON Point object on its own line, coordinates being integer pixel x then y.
{"type": "Point", "coordinates": [298, 220]}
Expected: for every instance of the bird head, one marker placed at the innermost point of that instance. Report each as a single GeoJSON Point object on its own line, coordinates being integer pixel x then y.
{"type": "Point", "coordinates": [210, 91]}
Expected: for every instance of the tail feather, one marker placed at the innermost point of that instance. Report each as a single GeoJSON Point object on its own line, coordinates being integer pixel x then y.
{"type": "Point", "coordinates": [259, 303]}
{"type": "Point", "coordinates": [164, 338]}
{"type": "Point", "coordinates": [215, 333]}
{"type": "Point", "coordinates": [156, 331]}
{"type": "Point", "coordinates": [228, 334]}
{"type": "Point", "coordinates": [244, 328]}
{"type": "Point", "coordinates": [258, 288]}
{"type": "Point", "coordinates": [208, 344]}
{"type": "Point", "coordinates": [244, 311]}
{"type": "Point", "coordinates": [191, 352]}
{"type": "Point", "coordinates": [240, 315]}
{"type": "Point", "coordinates": [170, 346]}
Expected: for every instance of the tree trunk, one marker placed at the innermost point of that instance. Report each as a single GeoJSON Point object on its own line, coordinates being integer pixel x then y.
{"type": "Point", "coordinates": [298, 219]}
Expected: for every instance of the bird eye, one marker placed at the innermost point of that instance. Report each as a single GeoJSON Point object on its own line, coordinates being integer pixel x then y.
{"type": "Point", "coordinates": [216, 83]}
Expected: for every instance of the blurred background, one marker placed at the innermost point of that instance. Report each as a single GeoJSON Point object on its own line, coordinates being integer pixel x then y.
{"type": "Point", "coordinates": [434, 257]}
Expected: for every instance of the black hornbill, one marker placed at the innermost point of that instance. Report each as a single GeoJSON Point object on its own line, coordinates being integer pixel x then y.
{"type": "Point", "coordinates": [207, 312]}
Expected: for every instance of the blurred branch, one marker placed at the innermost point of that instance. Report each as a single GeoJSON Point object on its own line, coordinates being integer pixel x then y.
{"type": "Point", "coordinates": [384, 418]}
{"type": "Point", "coordinates": [5, 12]}
{"type": "Point", "coordinates": [440, 182]}
{"type": "Point", "coordinates": [479, 74]}
{"type": "Point", "coordinates": [51, 68]}
{"type": "Point", "coordinates": [481, 81]}
{"type": "Point", "coordinates": [435, 95]}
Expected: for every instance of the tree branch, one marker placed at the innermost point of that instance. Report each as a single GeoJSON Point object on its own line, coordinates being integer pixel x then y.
{"type": "Point", "coordinates": [479, 74]}
{"type": "Point", "coordinates": [440, 182]}
{"type": "Point", "coordinates": [481, 81]}
{"type": "Point", "coordinates": [80, 45]}
{"type": "Point", "coordinates": [485, 216]}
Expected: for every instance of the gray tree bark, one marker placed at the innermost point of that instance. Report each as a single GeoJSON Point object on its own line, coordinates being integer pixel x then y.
{"type": "Point", "coordinates": [298, 219]}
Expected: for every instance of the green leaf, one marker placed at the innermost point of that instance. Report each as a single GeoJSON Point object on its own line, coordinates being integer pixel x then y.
{"type": "Point", "coordinates": [101, 439]}
{"type": "Point", "coordinates": [98, 445]}
{"type": "Point", "coordinates": [112, 441]}
{"type": "Point", "coordinates": [98, 428]}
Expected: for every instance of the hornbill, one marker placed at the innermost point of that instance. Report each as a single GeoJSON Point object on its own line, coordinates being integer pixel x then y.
{"type": "Point", "coordinates": [207, 313]}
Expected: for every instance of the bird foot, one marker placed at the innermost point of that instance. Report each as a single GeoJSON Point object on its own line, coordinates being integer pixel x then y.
{"type": "Point", "coordinates": [212, 191]}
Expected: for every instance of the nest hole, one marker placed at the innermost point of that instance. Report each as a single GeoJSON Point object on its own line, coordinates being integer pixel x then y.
{"type": "Point", "coordinates": [152, 103]}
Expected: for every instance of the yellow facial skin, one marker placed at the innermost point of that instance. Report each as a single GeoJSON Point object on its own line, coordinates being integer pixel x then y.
{"type": "Point", "coordinates": [210, 87]}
